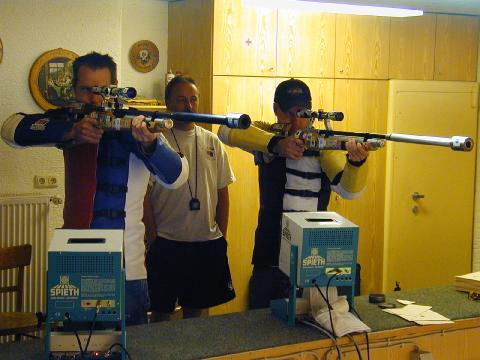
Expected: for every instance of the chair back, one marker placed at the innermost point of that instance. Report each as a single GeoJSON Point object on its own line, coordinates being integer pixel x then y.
{"type": "Point", "coordinates": [15, 257]}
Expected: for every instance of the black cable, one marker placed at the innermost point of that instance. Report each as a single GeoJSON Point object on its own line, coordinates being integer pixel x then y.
{"type": "Point", "coordinates": [330, 308]}
{"type": "Point", "coordinates": [368, 345]}
{"type": "Point", "coordinates": [67, 315]}
{"type": "Point", "coordinates": [91, 327]}
{"type": "Point", "coordinates": [356, 313]}
{"type": "Point", "coordinates": [326, 332]}
{"type": "Point", "coordinates": [366, 333]}
{"type": "Point", "coordinates": [121, 347]}
{"type": "Point", "coordinates": [323, 296]}
{"type": "Point", "coordinates": [359, 353]}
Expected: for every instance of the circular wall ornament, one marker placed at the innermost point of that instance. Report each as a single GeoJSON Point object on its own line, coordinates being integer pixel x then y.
{"type": "Point", "coordinates": [144, 56]}
{"type": "Point", "coordinates": [50, 79]}
{"type": "Point", "coordinates": [1, 50]}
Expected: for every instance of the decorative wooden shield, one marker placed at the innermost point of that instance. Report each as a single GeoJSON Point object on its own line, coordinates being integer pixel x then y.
{"type": "Point", "coordinates": [144, 56]}
{"type": "Point", "coordinates": [50, 79]}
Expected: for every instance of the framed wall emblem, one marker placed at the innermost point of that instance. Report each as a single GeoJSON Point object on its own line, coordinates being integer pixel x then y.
{"type": "Point", "coordinates": [50, 79]}
{"type": "Point", "coordinates": [144, 56]}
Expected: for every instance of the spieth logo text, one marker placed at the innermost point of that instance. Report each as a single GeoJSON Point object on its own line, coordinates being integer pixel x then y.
{"type": "Point", "coordinates": [64, 288]}
{"type": "Point", "coordinates": [314, 260]}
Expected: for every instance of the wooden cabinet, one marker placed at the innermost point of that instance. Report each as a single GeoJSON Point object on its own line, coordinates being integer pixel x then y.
{"type": "Point", "coordinates": [412, 47]}
{"type": "Point", "coordinates": [305, 44]}
{"type": "Point", "coordinates": [190, 44]}
{"type": "Point", "coordinates": [253, 96]}
{"type": "Point", "coordinates": [364, 104]}
{"type": "Point", "coordinates": [456, 48]}
{"type": "Point", "coordinates": [244, 39]}
{"type": "Point", "coordinates": [362, 47]}
{"type": "Point", "coordinates": [238, 54]}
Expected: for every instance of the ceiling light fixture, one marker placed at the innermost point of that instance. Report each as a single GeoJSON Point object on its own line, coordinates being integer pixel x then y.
{"type": "Point", "coordinates": [326, 7]}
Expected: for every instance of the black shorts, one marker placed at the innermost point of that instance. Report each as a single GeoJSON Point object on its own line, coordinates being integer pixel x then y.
{"type": "Point", "coordinates": [194, 273]}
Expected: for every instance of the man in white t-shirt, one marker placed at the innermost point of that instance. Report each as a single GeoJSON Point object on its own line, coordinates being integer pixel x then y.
{"type": "Point", "coordinates": [187, 262]}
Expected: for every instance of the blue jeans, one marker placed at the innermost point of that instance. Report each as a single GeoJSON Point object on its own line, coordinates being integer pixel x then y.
{"type": "Point", "coordinates": [137, 302]}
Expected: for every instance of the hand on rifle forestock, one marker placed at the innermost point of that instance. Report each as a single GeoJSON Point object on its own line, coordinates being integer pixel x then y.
{"type": "Point", "coordinates": [357, 151]}
{"type": "Point", "coordinates": [290, 147]}
{"type": "Point", "coordinates": [142, 133]}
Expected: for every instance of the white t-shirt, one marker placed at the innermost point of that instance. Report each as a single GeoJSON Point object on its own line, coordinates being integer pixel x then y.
{"type": "Point", "coordinates": [171, 207]}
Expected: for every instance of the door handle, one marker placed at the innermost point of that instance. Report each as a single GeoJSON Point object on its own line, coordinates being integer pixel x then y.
{"type": "Point", "coordinates": [416, 196]}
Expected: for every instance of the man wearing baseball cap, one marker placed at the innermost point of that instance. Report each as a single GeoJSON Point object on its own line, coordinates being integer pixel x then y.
{"type": "Point", "coordinates": [291, 179]}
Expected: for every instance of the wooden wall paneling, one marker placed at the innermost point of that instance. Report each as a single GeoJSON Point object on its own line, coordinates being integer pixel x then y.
{"type": "Point", "coordinates": [322, 91]}
{"type": "Point", "coordinates": [362, 47]}
{"type": "Point", "coordinates": [222, 37]}
{"type": "Point", "coordinates": [305, 44]}
{"type": "Point", "coordinates": [412, 47]}
{"type": "Point", "coordinates": [190, 44]}
{"type": "Point", "coordinates": [245, 39]}
{"type": "Point", "coordinates": [456, 48]}
{"type": "Point", "coordinates": [364, 104]}
{"type": "Point", "coordinates": [254, 96]}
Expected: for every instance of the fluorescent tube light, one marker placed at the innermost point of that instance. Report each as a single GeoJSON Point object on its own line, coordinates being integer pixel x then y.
{"type": "Point", "coordinates": [326, 7]}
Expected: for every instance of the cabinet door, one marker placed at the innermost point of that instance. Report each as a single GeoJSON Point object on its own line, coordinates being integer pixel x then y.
{"type": "Point", "coordinates": [190, 37]}
{"type": "Point", "coordinates": [253, 96]}
{"type": "Point", "coordinates": [456, 48]}
{"type": "Point", "coordinates": [244, 39]}
{"type": "Point", "coordinates": [362, 47]}
{"type": "Point", "coordinates": [428, 237]}
{"type": "Point", "coordinates": [412, 47]}
{"type": "Point", "coordinates": [364, 104]}
{"type": "Point", "coordinates": [322, 93]}
{"type": "Point", "coordinates": [305, 44]}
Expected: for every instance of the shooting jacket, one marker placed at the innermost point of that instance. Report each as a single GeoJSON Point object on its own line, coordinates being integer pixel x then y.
{"type": "Point", "coordinates": [104, 185]}
{"type": "Point", "coordinates": [280, 181]}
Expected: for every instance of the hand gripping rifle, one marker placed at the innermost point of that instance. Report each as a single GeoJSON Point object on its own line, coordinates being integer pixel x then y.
{"type": "Point", "coordinates": [113, 115]}
{"type": "Point", "coordinates": [329, 139]}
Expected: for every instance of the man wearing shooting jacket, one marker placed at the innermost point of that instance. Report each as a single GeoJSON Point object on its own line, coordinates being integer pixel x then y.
{"type": "Point", "coordinates": [291, 179]}
{"type": "Point", "coordinates": [106, 173]}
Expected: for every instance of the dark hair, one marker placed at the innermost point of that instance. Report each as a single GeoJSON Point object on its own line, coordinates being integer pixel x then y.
{"type": "Point", "coordinates": [293, 92]}
{"type": "Point", "coordinates": [179, 79]}
{"type": "Point", "coordinates": [94, 61]}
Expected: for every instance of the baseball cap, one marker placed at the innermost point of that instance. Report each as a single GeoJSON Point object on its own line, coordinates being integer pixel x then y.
{"type": "Point", "coordinates": [293, 92]}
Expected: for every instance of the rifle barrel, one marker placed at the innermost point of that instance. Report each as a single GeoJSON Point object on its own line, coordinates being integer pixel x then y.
{"type": "Point", "coordinates": [232, 120]}
{"type": "Point", "coordinates": [458, 143]}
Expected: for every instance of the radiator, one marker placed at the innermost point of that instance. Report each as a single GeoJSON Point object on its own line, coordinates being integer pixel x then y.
{"type": "Point", "coordinates": [24, 220]}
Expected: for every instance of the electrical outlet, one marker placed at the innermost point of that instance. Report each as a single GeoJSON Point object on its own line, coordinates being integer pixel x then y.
{"type": "Point", "coordinates": [52, 181]}
{"type": "Point", "coordinates": [43, 182]}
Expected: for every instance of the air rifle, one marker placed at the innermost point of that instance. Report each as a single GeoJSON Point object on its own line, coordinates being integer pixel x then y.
{"type": "Point", "coordinates": [112, 114]}
{"type": "Point", "coordinates": [329, 139]}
